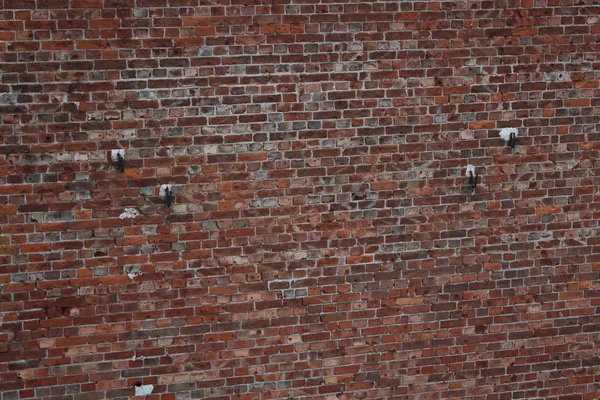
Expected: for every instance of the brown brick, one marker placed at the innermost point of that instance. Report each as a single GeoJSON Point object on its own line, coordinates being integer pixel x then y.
{"type": "Point", "coordinates": [324, 241]}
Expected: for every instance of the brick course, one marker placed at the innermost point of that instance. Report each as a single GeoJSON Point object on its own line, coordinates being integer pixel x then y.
{"type": "Point", "coordinates": [324, 242]}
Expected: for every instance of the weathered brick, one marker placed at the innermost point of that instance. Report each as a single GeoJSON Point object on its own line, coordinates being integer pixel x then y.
{"type": "Point", "coordinates": [323, 240]}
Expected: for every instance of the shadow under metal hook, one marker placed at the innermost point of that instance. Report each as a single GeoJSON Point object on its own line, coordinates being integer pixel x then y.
{"type": "Point", "coordinates": [121, 162]}
{"type": "Point", "coordinates": [512, 141]}
{"type": "Point", "coordinates": [168, 197]}
{"type": "Point", "coordinates": [472, 180]}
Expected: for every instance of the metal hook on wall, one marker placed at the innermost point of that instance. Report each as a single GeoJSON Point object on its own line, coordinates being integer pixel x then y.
{"type": "Point", "coordinates": [166, 192]}
{"type": "Point", "coordinates": [119, 157]}
{"type": "Point", "coordinates": [472, 175]}
{"type": "Point", "coordinates": [121, 162]}
{"type": "Point", "coordinates": [510, 135]}
{"type": "Point", "coordinates": [168, 197]}
{"type": "Point", "coordinates": [472, 180]}
{"type": "Point", "coordinates": [512, 141]}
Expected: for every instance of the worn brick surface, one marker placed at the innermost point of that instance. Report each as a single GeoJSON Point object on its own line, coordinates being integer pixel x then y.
{"type": "Point", "coordinates": [323, 242]}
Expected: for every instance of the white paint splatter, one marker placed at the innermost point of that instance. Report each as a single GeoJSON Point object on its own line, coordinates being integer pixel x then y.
{"type": "Point", "coordinates": [143, 390]}
{"type": "Point", "coordinates": [163, 190]}
{"type": "Point", "coordinates": [470, 170]}
{"type": "Point", "coordinates": [505, 133]}
{"type": "Point", "coordinates": [129, 213]}
{"type": "Point", "coordinates": [113, 154]}
{"type": "Point", "coordinates": [134, 274]}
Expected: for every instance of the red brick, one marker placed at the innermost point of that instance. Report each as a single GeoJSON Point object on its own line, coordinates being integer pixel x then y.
{"type": "Point", "coordinates": [324, 241]}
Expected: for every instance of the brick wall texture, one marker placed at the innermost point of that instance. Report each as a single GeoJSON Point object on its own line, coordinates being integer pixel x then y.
{"type": "Point", "coordinates": [323, 241]}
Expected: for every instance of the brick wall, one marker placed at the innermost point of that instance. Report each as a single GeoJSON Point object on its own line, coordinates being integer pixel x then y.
{"type": "Point", "coordinates": [323, 242]}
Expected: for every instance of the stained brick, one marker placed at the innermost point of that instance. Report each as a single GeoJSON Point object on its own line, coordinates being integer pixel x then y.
{"type": "Point", "coordinates": [323, 241]}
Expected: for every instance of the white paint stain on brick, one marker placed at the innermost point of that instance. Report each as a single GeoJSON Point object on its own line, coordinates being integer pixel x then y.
{"type": "Point", "coordinates": [163, 190]}
{"type": "Point", "coordinates": [505, 133]}
{"type": "Point", "coordinates": [143, 390]}
{"type": "Point", "coordinates": [114, 153]}
{"type": "Point", "coordinates": [470, 170]}
{"type": "Point", "coordinates": [133, 275]}
{"type": "Point", "coordinates": [133, 271]}
{"type": "Point", "coordinates": [129, 213]}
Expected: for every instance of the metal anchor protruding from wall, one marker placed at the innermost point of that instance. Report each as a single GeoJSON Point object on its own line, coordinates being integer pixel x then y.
{"type": "Point", "coordinates": [118, 156]}
{"type": "Point", "coordinates": [510, 135]}
{"type": "Point", "coordinates": [166, 192]}
{"type": "Point", "coordinates": [472, 175]}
